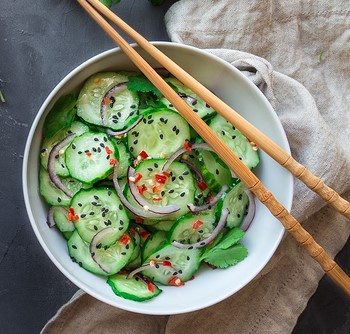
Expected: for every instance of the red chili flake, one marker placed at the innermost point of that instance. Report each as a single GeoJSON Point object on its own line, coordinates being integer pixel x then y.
{"type": "Point", "coordinates": [202, 185]}
{"type": "Point", "coordinates": [137, 177]}
{"type": "Point", "coordinates": [141, 189]}
{"type": "Point", "coordinates": [70, 217]}
{"type": "Point", "coordinates": [133, 232]}
{"type": "Point", "coordinates": [108, 150]}
{"type": "Point", "coordinates": [150, 287]}
{"type": "Point", "coordinates": [76, 217]}
{"type": "Point", "coordinates": [197, 224]}
{"type": "Point", "coordinates": [156, 189]}
{"type": "Point", "coordinates": [106, 100]}
{"type": "Point", "coordinates": [210, 198]}
{"type": "Point", "coordinates": [139, 220]}
{"type": "Point", "coordinates": [166, 263]}
{"type": "Point", "coordinates": [124, 239]}
{"type": "Point", "coordinates": [112, 162]}
{"type": "Point", "coordinates": [157, 198]}
{"type": "Point", "coordinates": [166, 173]}
{"type": "Point", "coordinates": [89, 154]}
{"type": "Point", "coordinates": [144, 234]}
{"type": "Point", "coordinates": [143, 154]}
{"type": "Point", "coordinates": [160, 178]}
{"type": "Point", "coordinates": [192, 278]}
{"type": "Point", "coordinates": [207, 105]}
{"type": "Point", "coordinates": [187, 146]}
{"type": "Point", "coordinates": [175, 281]}
{"type": "Point", "coordinates": [71, 210]}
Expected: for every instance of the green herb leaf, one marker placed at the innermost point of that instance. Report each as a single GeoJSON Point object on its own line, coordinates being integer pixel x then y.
{"type": "Point", "coordinates": [231, 238]}
{"type": "Point", "coordinates": [109, 3]}
{"type": "Point", "coordinates": [223, 258]}
{"type": "Point", "coordinates": [2, 97]}
{"type": "Point", "coordinates": [142, 84]}
{"type": "Point", "coordinates": [60, 116]}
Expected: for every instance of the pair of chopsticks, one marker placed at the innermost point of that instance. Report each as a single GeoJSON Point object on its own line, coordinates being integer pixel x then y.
{"type": "Point", "coordinates": [331, 268]}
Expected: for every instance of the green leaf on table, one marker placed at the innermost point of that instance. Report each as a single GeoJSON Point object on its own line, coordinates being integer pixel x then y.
{"type": "Point", "coordinates": [142, 84]}
{"type": "Point", "coordinates": [223, 258]}
{"type": "Point", "coordinates": [61, 115]}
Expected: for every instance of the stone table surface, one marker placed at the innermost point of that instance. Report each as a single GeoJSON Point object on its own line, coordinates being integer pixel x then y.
{"type": "Point", "coordinates": [41, 42]}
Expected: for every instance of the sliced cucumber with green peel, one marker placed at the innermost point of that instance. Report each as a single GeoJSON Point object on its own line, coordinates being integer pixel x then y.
{"type": "Point", "coordinates": [184, 261]}
{"type": "Point", "coordinates": [97, 209]}
{"type": "Point", "coordinates": [155, 241]}
{"type": "Point", "coordinates": [59, 167]}
{"type": "Point", "coordinates": [122, 106]}
{"type": "Point", "coordinates": [60, 217]}
{"type": "Point", "coordinates": [191, 229]}
{"type": "Point", "coordinates": [134, 288]}
{"type": "Point", "coordinates": [91, 156]}
{"type": "Point", "coordinates": [55, 196]}
{"type": "Point", "coordinates": [200, 107]}
{"type": "Point", "coordinates": [116, 256]}
{"type": "Point", "coordinates": [235, 140]}
{"type": "Point", "coordinates": [160, 134]}
{"type": "Point", "coordinates": [79, 252]}
{"type": "Point", "coordinates": [178, 187]}
{"type": "Point", "coordinates": [124, 157]}
{"type": "Point", "coordinates": [237, 201]}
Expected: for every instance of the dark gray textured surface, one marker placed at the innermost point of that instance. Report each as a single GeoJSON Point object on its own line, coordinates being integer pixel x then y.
{"type": "Point", "coordinates": [40, 42]}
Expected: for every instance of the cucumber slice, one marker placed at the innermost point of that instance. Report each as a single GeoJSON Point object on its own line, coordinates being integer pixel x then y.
{"type": "Point", "coordinates": [155, 241]}
{"type": "Point", "coordinates": [59, 214]}
{"type": "Point", "coordinates": [178, 188]}
{"type": "Point", "coordinates": [235, 140]}
{"type": "Point", "coordinates": [55, 196]}
{"type": "Point", "coordinates": [192, 229]}
{"type": "Point", "coordinates": [98, 208]}
{"type": "Point", "coordinates": [116, 256]}
{"type": "Point", "coordinates": [124, 157]}
{"type": "Point", "coordinates": [134, 288]}
{"type": "Point", "coordinates": [184, 261]}
{"type": "Point", "coordinates": [164, 225]}
{"type": "Point", "coordinates": [79, 252]}
{"type": "Point", "coordinates": [237, 202]}
{"type": "Point", "coordinates": [90, 157]}
{"type": "Point", "coordinates": [160, 134]}
{"type": "Point", "coordinates": [48, 143]}
{"type": "Point", "coordinates": [199, 106]}
{"type": "Point", "coordinates": [121, 109]}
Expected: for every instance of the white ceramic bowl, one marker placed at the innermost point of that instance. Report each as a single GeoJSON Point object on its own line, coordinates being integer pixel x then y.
{"type": "Point", "coordinates": [264, 235]}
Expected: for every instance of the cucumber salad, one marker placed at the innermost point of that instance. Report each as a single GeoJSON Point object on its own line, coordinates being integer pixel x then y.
{"type": "Point", "coordinates": [140, 198]}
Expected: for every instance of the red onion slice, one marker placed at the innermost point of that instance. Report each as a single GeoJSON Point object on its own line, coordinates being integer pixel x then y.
{"type": "Point", "coordinates": [150, 265]}
{"type": "Point", "coordinates": [119, 87]}
{"type": "Point", "coordinates": [216, 199]}
{"type": "Point", "coordinates": [50, 165]}
{"type": "Point", "coordinates": [172, 158]}
{"type": "Point", "coordinates": [49, 220]}
{"type": "Point", "coordinates": [251, 211]}
{"type": "Point", "coordinates": [163, 210]}
{"type": "Point", "coordinates": [136, 211]}
{"type": "Point", "coordinates": [194, 169]}
{"type": "Point", "coordinates": [122, 132]}
{"type": "Point", "coordinates": [212, 236]}
{"type": "Point", "coordinates": [95, 241]}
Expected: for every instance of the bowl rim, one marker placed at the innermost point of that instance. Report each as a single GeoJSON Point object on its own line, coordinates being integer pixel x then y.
{"type": "Point", "coordinates": [42, 109]}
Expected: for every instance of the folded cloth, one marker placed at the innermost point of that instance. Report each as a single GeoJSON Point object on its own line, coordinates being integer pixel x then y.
{"type": "Point", "coordinates": [297, 54]}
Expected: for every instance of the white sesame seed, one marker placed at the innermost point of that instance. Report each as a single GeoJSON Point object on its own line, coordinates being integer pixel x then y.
{"type": "Point", "coordinates": [132, 179]}
{"type": "Point", "coordinates": [146, 207]}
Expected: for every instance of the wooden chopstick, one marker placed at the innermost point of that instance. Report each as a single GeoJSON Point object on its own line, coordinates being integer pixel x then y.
{"type": "Point", "coordinates": [330, 267]}
{"type": "Point", "coordinates": [251, 132]}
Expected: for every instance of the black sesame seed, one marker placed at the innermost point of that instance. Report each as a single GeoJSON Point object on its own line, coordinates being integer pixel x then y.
{"type": "Point", "coordinates": [121, 207]}
{"type": "Point", "coordinates": [150, 121]}
{"type": "Point", "coordinates": [79, 204]}
{"type": "Point", "coordinates": [186, 172]}
{"type": "Point", "coordinates": [181, 177]}
{"type": "Point", "coordinates": [135, 142]}
{"type": "Point", "coordinates": [171, 191]}
{"type": "Point", "coordinates": [202, 243]}
{"type": "Point", "coordinates": [59, 199]}
{"type": "Point", "coordinates": [96, 139]}
{"type": "Point", "coordinates": [75, 247]}
{"type": "Point", "coordinates": [182, 194]}
{"type": "Point", "coordinates": [99, 149]}
{"type": "Point", "coordinates": [150, 169]}
{"type": "Point", "coordinates": [131, 149]}
{"type": "Point", "coordinates": [223, 132]}
{"type": "Point", "coordinates": [177, 131]}
{"type": "Point", "coordinates": [95, 228]}
{"type": "Point", "coordinates": [173, 178]}
{"type": "Point", "coordinates": [144, 120]}
{"type": "Point", "coordinates": [195, 110]}
{"type": "Point", "coordinates": [188, 258]}
{"type": "Point", "coordinates": [133, 106]}
{"type": "Point", "coordinates": [108, 157]}
{"type": "Point", "coordinates": [174, 128]}
{"type": "Point", "coordinates": [102, 145]}
{"type": "Point", "coordinates": [91, 213]}
{"type": "Point", "coordinates": [83, 215]}
{"type": "Point", "coordinates": [161, 136]}
{"type": "Point", "coordinates": [156, 165]}
{"type": "Point", "coordinates": [216, 171]}
{"type": "Point", "coordinates": [233, 137]}
{"type": "Point", "coordinates": [121, 222]}
{"type": "Point", "coordinates": [73, 147]}
{"type": "Point", "coordinates": [120, 228]}
{"type": "Point", "coordinates": [80, 264]}
{"type": "Point", "coordinates": [162, 193]}
{"type": "Point", "coordinates": [105, 139]}
{"type": "Point", "coordinates": [109, 194]}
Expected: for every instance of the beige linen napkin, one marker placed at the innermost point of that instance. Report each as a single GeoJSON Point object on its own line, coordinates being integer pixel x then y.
{"type": "Point", "coordinates": [298, 54]}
